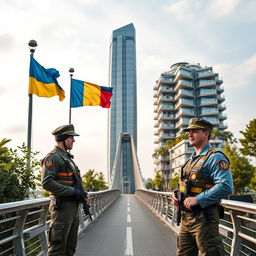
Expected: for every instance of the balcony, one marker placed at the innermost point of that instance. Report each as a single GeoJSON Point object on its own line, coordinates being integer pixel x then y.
{"type": "Point", "coordinates": [164, 98]}
{"type": "Point", "coordinates": [185, 112]}
{"type": "Point", "coordinates": [220, 98]}
{"type": "Point", "coordinates": [223, 126]}
{"type": "Point", "coordinates": [183, 84]}
{"type": "Point", "coordinates": [207, 92]}
{"type": "Point", "coordinates": [207, 83]}
{"type": "Point", "coordinates": [166, 136]}
{"type": "Point", "coordinates": [209, 102]}
{"type": "Point", "coordinates": [222, 107]}
{"type": "Point", "coordinates": [220, 89]}
{"type": "Point", "coordinates": [183, 102]}
{"type": "Point", "coordinates": [182, 122]}
{"type": "Point", "coordinates": [206, 73]}
{"type": "Point", "coordinates": [164, 89]}
{"type": "Point", "coordinates": [163, 126]}
{"type": "Point", "coordinates": [222, 116]}
{"type": "Point", "coordinates": [184, 93]}
{"type": "Point", "coordinates": [182, 73]}
{"type": "Point", "coordinates": [165, 107]}
{"type": "Point", "coordinates": [212, 112]}
{"type": "Point", "coordinates": [166, 117]}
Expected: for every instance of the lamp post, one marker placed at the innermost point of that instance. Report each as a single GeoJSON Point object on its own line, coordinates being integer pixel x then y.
{"type": "Point", "coordinates": [32, 44]}
{"type": "Point", "coordinates": [71, 71]}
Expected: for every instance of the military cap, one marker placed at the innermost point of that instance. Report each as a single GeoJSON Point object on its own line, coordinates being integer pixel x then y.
{"type": "Point", "coordinates": [198, 123]}
{"type": "Point", "coordinates": [62, 132]}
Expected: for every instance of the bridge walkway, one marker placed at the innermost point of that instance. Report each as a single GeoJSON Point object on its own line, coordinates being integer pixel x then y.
{"type": "Point", "coordinates": [127, 228]}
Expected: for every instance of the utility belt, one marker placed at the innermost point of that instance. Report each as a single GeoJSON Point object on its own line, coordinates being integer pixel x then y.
{"type": "Point", "coordinates": [207, 211]}
{"type": "Point", "coordinates": [58, 200]}
{"type": "Point", "coordinates": [191, 188]}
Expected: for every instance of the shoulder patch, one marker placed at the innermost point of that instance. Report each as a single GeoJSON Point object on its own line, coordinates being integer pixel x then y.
{"type": "Point", "coordinates": [223, 165]}
{"type": "Point", "coordinates": [49, 162]}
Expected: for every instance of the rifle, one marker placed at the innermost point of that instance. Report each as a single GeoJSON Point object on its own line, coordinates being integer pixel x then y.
{"type": "Point", "coordinates": [86, 207]}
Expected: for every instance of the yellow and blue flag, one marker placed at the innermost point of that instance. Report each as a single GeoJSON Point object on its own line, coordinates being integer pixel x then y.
{"type": "Point", "coordinates": [88, 94]}
{"type": "Point", "coordinates": [43, 82]}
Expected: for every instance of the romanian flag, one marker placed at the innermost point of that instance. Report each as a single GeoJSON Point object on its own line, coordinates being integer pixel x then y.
{"type": "Point", "coordinates": [88, 94]}
{"type": "Point", "coordinates": [43, 82]}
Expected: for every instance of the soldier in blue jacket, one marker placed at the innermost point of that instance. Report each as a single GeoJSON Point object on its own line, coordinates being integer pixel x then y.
{"type": "Point", "coordinates": [205, 180]}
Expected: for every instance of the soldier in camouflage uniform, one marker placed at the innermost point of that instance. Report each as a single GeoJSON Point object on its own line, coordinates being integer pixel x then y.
{"type": "Point", "coordinates": [205, 180]}
{"type": "Point", "coordinates": [59, 174]}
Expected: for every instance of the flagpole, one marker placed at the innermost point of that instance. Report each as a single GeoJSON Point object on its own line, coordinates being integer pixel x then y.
{"type": "Point", "coordinates": [71, 71]}
{"type": "Point", "coordinates": [32, 47]}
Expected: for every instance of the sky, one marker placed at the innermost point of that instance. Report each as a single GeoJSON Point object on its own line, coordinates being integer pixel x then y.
{"type": "Point", "coordinates": [217, 33]}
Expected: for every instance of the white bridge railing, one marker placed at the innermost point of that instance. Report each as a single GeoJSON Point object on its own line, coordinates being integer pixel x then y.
{"type": "Point", "coordinates": [24, 224]}
{"type": "Point", "coordinates": [238, 228]}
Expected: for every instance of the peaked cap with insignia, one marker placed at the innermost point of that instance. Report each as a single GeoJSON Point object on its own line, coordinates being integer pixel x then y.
{"type": "Point", "coordinates": [198, 123]}
{"type": "Point", "coordinates": [63, 132]}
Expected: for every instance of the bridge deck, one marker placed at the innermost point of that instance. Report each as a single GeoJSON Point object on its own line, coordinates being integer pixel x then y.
{"type": "Point", "coordinates": [127, 228]}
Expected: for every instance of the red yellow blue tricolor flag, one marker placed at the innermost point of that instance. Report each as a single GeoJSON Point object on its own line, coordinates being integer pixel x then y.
{"type": "Point", "coordinates": [43, 82]}
{"type": "Point", "coordinates": [88, 94]}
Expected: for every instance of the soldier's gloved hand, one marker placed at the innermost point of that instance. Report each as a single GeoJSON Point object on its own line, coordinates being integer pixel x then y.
{"type": "Point", "coordinates": [175, 200]}
{"type": "Point", "coordinates": [78, 195]}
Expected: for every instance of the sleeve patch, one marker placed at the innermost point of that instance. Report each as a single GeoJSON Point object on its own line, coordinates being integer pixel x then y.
{"type": "Point", "coordinates": [223, 165]}
{"type": "Point", "coordinates": [49, 162]}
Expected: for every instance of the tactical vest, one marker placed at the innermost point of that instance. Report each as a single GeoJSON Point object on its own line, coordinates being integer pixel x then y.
{"type": "Point", "coordinates": [193, 181]}
{"type": "Point", "coordinates": [65, 176]}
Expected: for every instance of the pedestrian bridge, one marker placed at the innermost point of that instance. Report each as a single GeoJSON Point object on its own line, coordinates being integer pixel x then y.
{"type": "Point", "coordinates": [140, 224]}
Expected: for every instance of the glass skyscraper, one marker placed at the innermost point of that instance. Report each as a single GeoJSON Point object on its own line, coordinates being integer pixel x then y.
{"type": "Point", "coordinates": [123, 111]}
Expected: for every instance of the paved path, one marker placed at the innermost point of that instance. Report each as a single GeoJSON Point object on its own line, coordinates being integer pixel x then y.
{"type": "Point", "coordinates": [127, 228]}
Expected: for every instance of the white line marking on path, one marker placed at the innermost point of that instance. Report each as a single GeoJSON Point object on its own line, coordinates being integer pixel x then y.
{"type": "Point", "coordinates": [129, 244]}
{"type": "Point", "coordinates": [128, 209]}
{"type": "Point", "coordinates": [128, 218]}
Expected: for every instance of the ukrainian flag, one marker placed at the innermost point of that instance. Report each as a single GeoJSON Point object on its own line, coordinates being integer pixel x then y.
{"type": "Point", "coordinates": [43, 82]}
{"type": "Point", "coordinates": [88, 94]}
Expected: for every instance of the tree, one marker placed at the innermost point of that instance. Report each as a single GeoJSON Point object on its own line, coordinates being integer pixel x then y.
{"type": "Point", "coordinates": [89, 180]}
{"type": "Point", "coordinates": [174, 181]}
{"type": "Point", "coordinates": [158, 182]}
{"type": "Point", "coordinates": [101, 182]}
{"type": "Point", "coordinates": [228, 137]}
{"type": "Point", "coordinates": [215, 133]}
{"type": "Point", "coordinates": [93, 181]}
{"type": "Point", "coordinates": [249, 140]}
{"type": "Point", "coordinates": [149, 183]}
{"type": "Point", "coordinates": [242, 170]}
{"type": "Point", "coordinates": [16, 180]}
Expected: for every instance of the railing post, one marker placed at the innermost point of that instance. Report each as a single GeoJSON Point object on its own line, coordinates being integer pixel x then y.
{"type": "Point", "coordinates": [236, 241]}
{"type": "Point", "coordinates": [18, 243]}
{"type": "Point", "coordinates": [43, 236]}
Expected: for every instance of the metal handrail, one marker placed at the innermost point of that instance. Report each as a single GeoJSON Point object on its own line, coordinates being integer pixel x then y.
{"type": "Point", "coordinates": [24, 224]}
{"type": "Point", "coordinates": [238, 228]}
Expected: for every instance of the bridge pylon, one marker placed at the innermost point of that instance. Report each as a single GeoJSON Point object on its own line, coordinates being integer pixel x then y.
{"type": "Point", "coordinates": [123, 178]}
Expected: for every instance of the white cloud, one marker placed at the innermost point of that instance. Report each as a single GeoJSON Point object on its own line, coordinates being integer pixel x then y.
{"type": "Point", "coordinates": [219, 8]}
{"type": "Point", "coordinates": [237, 75]}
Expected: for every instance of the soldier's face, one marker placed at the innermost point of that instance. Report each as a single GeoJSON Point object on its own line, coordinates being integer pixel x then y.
{"type": "Point", "coordinates": [197, 137]}
{"type": "Point", "coordinates": [69, 142]}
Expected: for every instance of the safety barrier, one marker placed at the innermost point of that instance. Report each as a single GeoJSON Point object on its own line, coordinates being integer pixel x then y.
{"type": "Point", "coordinates": [238, 228]}
{"type": "Point", "coordinates": [24, 224]}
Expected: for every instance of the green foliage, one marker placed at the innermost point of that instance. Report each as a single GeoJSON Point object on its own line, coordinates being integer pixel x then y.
{"type": "Point", "coordinates": [93, 181]}
{"type": "Point", "coordinates": [228, 137]}
{"type": "Point", "coordinates": [174, 181]}
{"type": "Point", "coordinates": [102, 185]}
{"type": "Point", "coordinates": [242, 170]}
{"type": "Point", "coordinates": [149, 183]}
{"type": "Point", "coordinates": [249, 140]}
{"type": "Point", "coordinates": [158, 182]}
{"type": "Point", "coordinates": [15, 178]}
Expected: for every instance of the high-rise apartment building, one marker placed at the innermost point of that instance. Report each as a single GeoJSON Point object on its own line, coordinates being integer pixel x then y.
{"type": "Point", "coordinates": [123, 111]}
{"type": "Point", "coordinates": [184, 92]}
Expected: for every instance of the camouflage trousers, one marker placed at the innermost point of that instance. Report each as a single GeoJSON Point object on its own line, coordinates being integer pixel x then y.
{"type": "Point", "coordinates": [199, 234]}
{"type": "Point", "coordinates": [62, 237]}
